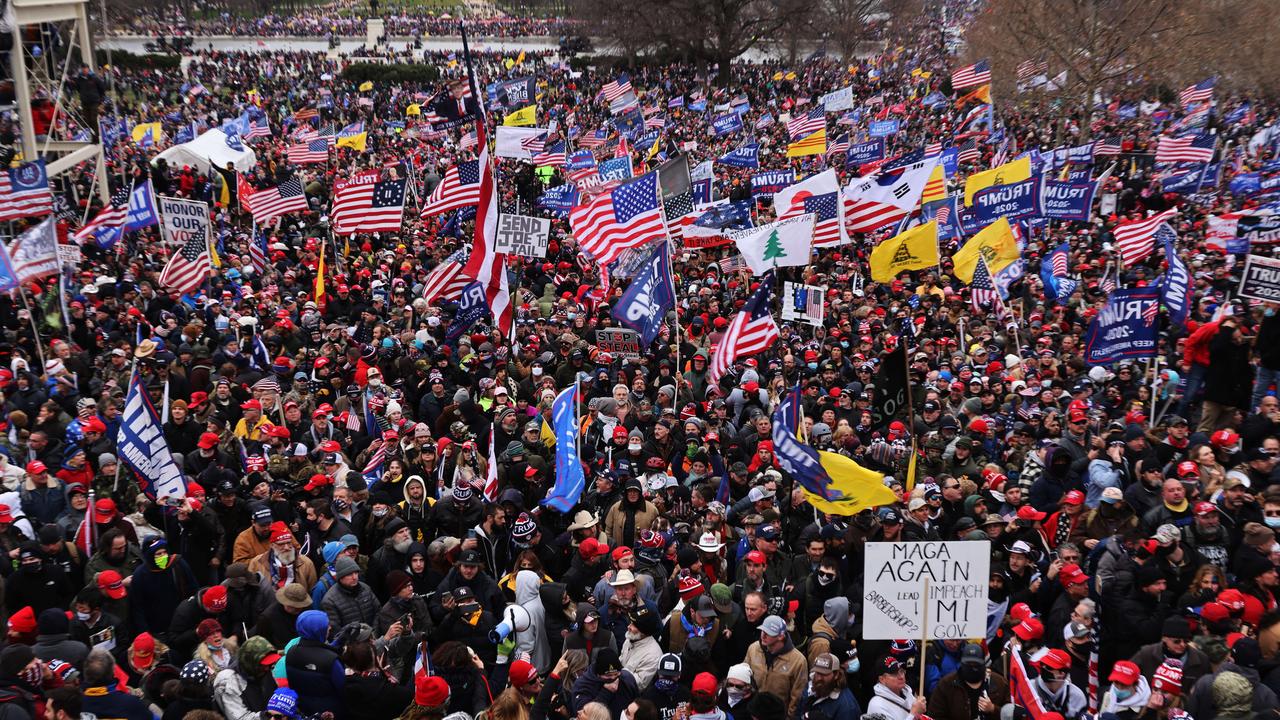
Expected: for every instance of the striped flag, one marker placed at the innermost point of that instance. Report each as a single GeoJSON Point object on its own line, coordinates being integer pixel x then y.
{"type": "Point", "coordinates": [655, 122]}
{"type": "Point", "coordinates": [459, 188]}
{"type": "Point", "coordinates": [1109, 145]}
{"type": "Point", "coordinates": [752, 330]}
{"type": "Point", "coordinates": [625, 217]}
{"type": "Point", "coordinates": [973, 75]}
{"type": "Point", "coordinates": [616, 89]}
{"type": "Point", "coordinates": [468, 141]}
{"type": "Point", "coordinates": [366, 204]}
{"type": "Point", "coordinates": [807, 124]}
{"type": "Point", "coordinates": [1136, 240]}
{"type": "Point", "coordinates": [258, 251]}
{"type": "Point", "coordinates": [593, 139]}
{"type": "Point", "coordinates": [1193, 147]}
{"type": "Point", "coordinates": [446, 281]}
{"type": "Point", "coordinates": [1200, 92]}
{"type": "Point", "coordinates": [305, 114]}
{"type": "Point", "coordinates": [982, 289]}
{"type": "Point", "coordinates": [1021, 691]}
{"type": "Point", "coordinates": [270, 203]}
{"type": "Point", "coordinates": [108, 221]}
{"type": "Point", "coordinates": [1028, 69]}
{"type": "Point", "coordinates": [187, 270]}
{"type": "Point", "coordinates": [24, 191]}
{"type": "Point", "coordinates": [554, 155]}
{"type": "Point", "coordinates": [486, 264]}
{"type": "Point", "coordinates": [969, 152]}
{"type": "Point", "coordinates": [490, 489]}
{"type": "Point", "coordinates": [879, 200]}
{"type": "Point", "coordinates": [258, 128]}
{"type": "Point", "coordinates": [308, 152]}
{"type": "Point", "coordinates": [840, 145]}
{"type": "Point", "coordinates": [820, 195]}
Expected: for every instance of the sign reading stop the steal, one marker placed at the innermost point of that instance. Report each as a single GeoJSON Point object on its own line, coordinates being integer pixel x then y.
{"type": "Point", "coordinates": [895, 604]}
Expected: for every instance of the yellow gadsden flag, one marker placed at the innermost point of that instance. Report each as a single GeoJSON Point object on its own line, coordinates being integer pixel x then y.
{"type": "Point", "coordinates": [856, 488]}
{"type": "Point", "coordinates": [366, 86]}
{"type": "Point", "coordinates": [915, 249]}
{"type": "Point", "coordinates": [358, 142]}
{"type": "Point", "coordinates": [526, 116]}
{"type": "Point", "coordinates": [994, 242]}
{"type": "Point", "coordinates": [814, 144]}
{"type": "Point", "coordinates": [1009, 172]}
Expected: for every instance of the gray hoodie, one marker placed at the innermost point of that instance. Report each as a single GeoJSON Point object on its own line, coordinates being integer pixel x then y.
{"type": "Point", "coordinates": [533, 640]}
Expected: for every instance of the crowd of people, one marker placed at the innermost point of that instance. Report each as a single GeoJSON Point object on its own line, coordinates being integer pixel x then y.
{"type": "Point", "coordinates": [331, 22]}
{"type": "Point", "coordinates": [362, 532]}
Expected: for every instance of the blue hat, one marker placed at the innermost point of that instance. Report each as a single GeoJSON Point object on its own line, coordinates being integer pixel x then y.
{"type": "Point", "coordinates": [283, 701]}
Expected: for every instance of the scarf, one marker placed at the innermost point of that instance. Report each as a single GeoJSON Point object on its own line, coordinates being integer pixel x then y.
{"type": "Point", "coordinates": [693, 630]}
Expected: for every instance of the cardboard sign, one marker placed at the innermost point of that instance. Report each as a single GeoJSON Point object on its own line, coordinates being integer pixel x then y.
{"type": "Point", "coordinates": [181, 219]}
{"type": "Point", "coordinates": [895, 604]}
{"type": "Point", "coordinates": [1261, 279]}
{"type": "Point", "coordinates": [68, 254]}
{"type": "Point", "coordinates": [619, 342]}
{"type": "Point", "coordinates": [523, 235]}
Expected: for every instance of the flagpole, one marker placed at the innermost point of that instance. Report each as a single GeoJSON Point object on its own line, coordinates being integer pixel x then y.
{"type": "Point", "coordinates": [35, 329]}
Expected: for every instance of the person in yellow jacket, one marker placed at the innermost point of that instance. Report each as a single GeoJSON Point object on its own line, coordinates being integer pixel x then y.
{"type": "Point", "coordinates": [250, 427]}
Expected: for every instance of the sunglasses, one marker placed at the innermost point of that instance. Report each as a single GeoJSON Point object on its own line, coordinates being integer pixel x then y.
{"type": "Point", "coordinates": [827, 576]}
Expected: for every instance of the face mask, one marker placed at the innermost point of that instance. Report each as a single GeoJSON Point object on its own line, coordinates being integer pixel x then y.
{"type": "Point", "coordinates": [380, 512]}
{"type": "Point", "coordinates": [972, 672]}
{"type": "Point", "coordinates": [162, 562]}
{"type": "Point", "coordinates": [1123, 695]}
{"type": "Point", "coordinates": [215, 647]}
{"type": "Point", "coordinates": [34, 674]}
{"type": "Point", "coordinates": [665, 685]}
{"type": "Point", "coordinates": [812, 365]}
{"type": "Point", "coordinates": [735, 695]}
{"type": "Point", "coordinates": [1269, 312]}
{"type": "Point", "coordinates": [824, 579]}
{"type": "Point", "coordinates": [853, 665]}
{"type": "Point", "coordinates": [339, 505]}
{"type": "Point", "coordinates": [403, 545]}
{"type": "Point", "coordinates": [537, 372]}
{"type": "Point", "coordinates": [633, 447]}
{"type": "Point", "coordinates": [1272, 522]}
{"type": "Point", "coordinates": [82, 616]}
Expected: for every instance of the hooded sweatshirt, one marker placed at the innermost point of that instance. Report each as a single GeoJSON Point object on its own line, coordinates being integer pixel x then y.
{"type": "Point", "coordinates": [1129, 707]}
{"type": "Point", "coordinates": [533, 640]}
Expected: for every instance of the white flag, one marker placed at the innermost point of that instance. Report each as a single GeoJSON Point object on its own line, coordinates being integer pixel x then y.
{"type": "Point", "coordinates": [779, 244]}
{"type": "Point", "coordinates": [838, 100]}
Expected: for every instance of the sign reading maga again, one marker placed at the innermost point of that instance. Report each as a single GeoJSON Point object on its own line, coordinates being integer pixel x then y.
{"type": "Point", "coordinates": [894, 600]}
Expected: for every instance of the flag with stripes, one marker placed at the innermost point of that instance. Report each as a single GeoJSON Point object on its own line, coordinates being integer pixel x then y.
{"type": "Point", "coordinates": [840, 145]}
{"type": "Point", "coordinates": [1200, 92]}
{"type": "Point", "coordinates": [655, 122]}
{"type": "Point", "coordinates": [819, 195]}
{"type": "Point", "coordinates": [616, 89]}
{"type": "Point", "coordinates": [305, 114]}
{"type": "Point", "coordinates": [973, 75]}
{"type": "Point", "coordinates": [459, 188]}
{"type": "Point", "coordinates": [187, 270]}
{"type": "Point", "coordinates": [883, 199]}
{"type": "Point", "coordinates": [270, 203]}
{"type": "Point", "coordinates": [1028, 69]}
{"type": "Point", "coordinates": [968, 152]}
{"type": "Point", "coordinates": [593, 139]}
{"type": "Point", "coordinates": [258, 251]}
{"type": "Point", "coordinates": [733, 264]}
{"type": "Point", "coordinates": [982, 289]}
{"type": "Point", "coordinates": [625, 217]}
{"type": "Point", "coordinates": [751, 331]}
{"type": "Point", "coordinates": [308, 152]}
{"type": "Point", "coordinates": [105, 227]}
{"type": "Point", "coordinates": [257, 129]}
{"type": "Point", "coordinates": [486, 264]}
{"type": "Point", "coordinates": [1136, 240]}
{"type": "Point", "coordinates": [490, 488]}
{"type": "Point", "coordinates": [554, 155]}
{"type": "Point", "coordinates": [446, 280]}
{"type": "Point", "coordinates": [24, 191]}
{"type": "Point", "coordinates": [1109, 145]}
{"type": "Point", "coordinates": [366, 204]}
{"type": "Point", "coordinates": [804, 125]}
{"type": "Point", "coordinates": [468, 141]}
{"type": "Point", "coordinates": [534, 144]}
{"type": "Point", "coordinates": [1193, 147]}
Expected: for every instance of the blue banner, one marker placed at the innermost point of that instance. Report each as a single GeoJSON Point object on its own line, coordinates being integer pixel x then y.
{"type": "Point", "coordinates": [882, 128]}
{"type": "Point", "coordinates": [797, 458]}
{"type": "Point", "coordinates": [140, 444]}
{"type": "Point", "coordinates": [644, 306]}
{"type": "Point", "coordinates": [1014, 201]}
{"type": "Point", "coordinates": [1066, 200]}
{"type": "Point", "coordinates": [8, 276]}
{"type": "Point", "coordinates": [570, 478]}
{"type": "Point", "coordinates": [767, 183]}
{"type": "Point", "coordinates": [559, 199]}
{"type": "Point", "coordinates": [616, 169]}
{"type": "Point", "coordinates": [950, 161]}
{"type": "Point", "coordinates": [1057, 287]}
{"type": "Point", "coordinates": [1126, 327]}
{"type": "Point", "coordinates": [142, 208]}
{"type": "Point", "coordinates": [746, 155]}
{"type": "Point", "coordinates": [1175, 286]}
{"type": "Point", "coordinates": [580, 160]}
{"type": "Point", "coordinates": [1245, 184]}
{"type": "Point", "coordinates": [472, 306]}
{"type": "Point", "coordinates": [727, 123]}
{"type": "Point", "coordinates": [863, 153]}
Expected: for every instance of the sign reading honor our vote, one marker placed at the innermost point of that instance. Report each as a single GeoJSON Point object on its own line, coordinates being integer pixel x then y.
{"type": "Point", "coordinates": [182, 219]}
{"type": "Point", "coordinates": [895, 603]}
{"type": "Point", "coordinates": [523, 235]}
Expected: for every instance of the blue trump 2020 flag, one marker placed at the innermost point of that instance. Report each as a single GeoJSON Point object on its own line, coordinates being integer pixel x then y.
{"type": "Point", "coordinates": [143, 448]}
{"type": "Point", "coordinates": [142, 208]}
{"type": "Point", "coordinates": [1126, 327]}
{"type": "Point", "coordinates": [800, 460]}
{"type": "Point", "coordinates": [570, 478]}
{"type": "Point", "coordinates": [1175, 286]}
{"type": "Point", "coordinates": [746, 155]}
{"type": "Point", "coordinates": [471, 307]}
{"type": "Point", "coordinates": [651, 295]}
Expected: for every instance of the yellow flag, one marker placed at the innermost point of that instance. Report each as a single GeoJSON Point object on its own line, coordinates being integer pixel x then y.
{"type": "Point", "coordinates": [995, 243]}
{"type": "Point", "coordinates": [509, 63]}
{"type": "Point", "coordinates": [147, 133]}
{"type": "Point", "coordinates": [982, 94]}
{"type": "Point", "coordinates": [916, 72]}
{"type": "Point", "coordinates": [790, 75]}
{"type": "Point", "coordinates": [356, 142]}
{"type": "Point", "coordinates": [911, 468]}
{"type": "Point", "coordinates": [777, 75]}
{"type": "Point", "coordinates": [366, 86]}
{"type": "Point", "coordinates": [1009, 172]}
{"type": "Point", "coordinates": [414, 109]}
{"type": "Point", "coordinates": [936, 187]}
{"type": "Point", "coordinates": [815, 144]}
{"type": "Point", "coordinates": [653, 150]}
{"type": "Point", "coordinates": [523, 116]}
{"type": "Point", "coordinates": [547, 435]}
{"type": "Point", "coordinates": [858, 488]}
{"type": "Point", "coordinates": [214, 258]}
{"type": "Point", "coordinates": [520, 58]}
{"type": "Point", "coordinates": [915, 249]}
{"type": "Point", "coordinates": [320, 297]}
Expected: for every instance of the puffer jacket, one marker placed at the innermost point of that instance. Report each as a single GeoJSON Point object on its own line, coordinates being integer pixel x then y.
{"type": "Point", "coordinates": [346, 605]}
{"type": "Point", "coordinates": [313, 668]}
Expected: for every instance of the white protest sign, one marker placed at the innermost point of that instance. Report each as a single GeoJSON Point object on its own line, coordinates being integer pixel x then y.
{"type": "Point", "coordinates": [803, 302]}
{"type": "Point", "coordinates": [894, 604]}
{"type": "Point", "coordinates": [180, 219]}
{"type": "Point", "coordinates": [68, 254]}
{"type": "Point", "coordinates": [523, 235]}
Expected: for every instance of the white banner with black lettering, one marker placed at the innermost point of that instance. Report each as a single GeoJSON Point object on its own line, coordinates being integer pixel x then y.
{"type": "Point", "coordinates": [895, 603]}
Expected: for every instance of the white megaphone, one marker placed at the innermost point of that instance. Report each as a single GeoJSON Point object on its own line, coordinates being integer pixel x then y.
{"type": "Point", "coordinates": [516, 618]}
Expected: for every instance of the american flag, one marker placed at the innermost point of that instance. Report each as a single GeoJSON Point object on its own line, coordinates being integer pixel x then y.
{"type": "Point", "coordinates": [534, 143]}
{"type": "Point", "coordinates": [258, 129]}
{"type": "Point", "coordinates": [554, 155]}
{"type": "Point", "coordinates": [1109, 145]}
{"type": "Point", "coordinates": [616, 89]}
{"type": "Point", "coordinates": [1028, 69]}
{"type": "Point", "coordinates": [818, 194]}
{"type": "Point", "coordinates": [269, 203]}
{"type": "Point", "coordinates": [305, 114]}
{"type": "Point", "coordinates": [627, 216]}
{"type": "Point", "coordinates": [873, 202]}
{"type": "Point", "coordinates": [933, 148]}
{"type": "Point", "coordinates": [1200, 92]}
{"type": "Point", "coordinates": [1136, 240]}
{"type": "Point", "coordinates": [446, 280]}
{"type": "Point", "coordinates": [983, 294]}
{"type": "Point", "coordinates": [593, 139]}
{"type": "Point", "coordinates": [258, 251]}
{"type": "Point", "coordinates": [187, 270]}
{"type": "Point", "coordinates": [468, 141]}
{"type": "Point", "coordinates": [806, 124]}
{"type": "Point", "coordinates": [486, 264]}
{"type": "Point", "coordinates": [366, 204]}
{"type": "Point", "coordinates": [969, 152]}
{"type": "Point", "coordinates": [752, 330]}
{"type": "Point", "coordinates": [24, 191]}
{"type": "Point", "coordinates": [459, 188]}
{"type": "Point", "coordinates": [839, 145]}
{"type": "Point", "coordinates": [973, 75]}
{"type": "Point", "coordinates": [1108, 284]}
{"type": "Point", "coordinates": [677, 207]}
{"type": "Point", "coordinates": [1151, 312]}
{"type": "Point", "coordinates": [1193, 147]}
{"type": "Point", "coordinates": [733, 264]}
{"type": "Point", "coordinates": [655, 122]}
{"type": "Point", "coordinates": [305, 153]}
{"type": "Point", "coordinates": [109, 219]}
{"type": "Point", "coordinates": [329, 134]}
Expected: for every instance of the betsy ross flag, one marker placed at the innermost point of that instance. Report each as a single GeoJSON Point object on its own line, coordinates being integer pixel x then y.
{"type": "Point", "coordinates": [270, 203]}
{"type": "Point", "coordinates": [625, 217]}
{"type": "Point", "coordinates": [1198, 93]}
{"type": "Point", "coordinates": [187, 270]}
{"type": "Point", "coordinates": [366, 204]}
{"type": "Point", "coordinates": [1136, 240]}
{"type": "Point", "coordinates": [973, 75]}
{"type": "Point", "coordinates": [310, 151]}
{"type": "Point", "coordinates": [105, 227]}
{"type": "Point", "coordinates": [24, 191]}
{"type": "Point", "coordinates": [751, 331]}
{"type": "Point", "coordinates": [807, 124]}
{"type": "Point", "coordinates": [1193, 147]}
{"type": "Point", "coordinates": [459, 188]}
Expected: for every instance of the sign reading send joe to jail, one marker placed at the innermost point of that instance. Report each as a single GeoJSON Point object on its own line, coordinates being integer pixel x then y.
{"type": "Point", "coordinates": [894, 601]}
{"type": "Point", "coordinates": [1261, 280]}
{"type": "Point", "coordinates": [523, 235]}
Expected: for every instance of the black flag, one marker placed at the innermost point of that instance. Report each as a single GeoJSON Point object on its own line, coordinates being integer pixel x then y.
{"type": "Point", "coordinates": [891, 388]}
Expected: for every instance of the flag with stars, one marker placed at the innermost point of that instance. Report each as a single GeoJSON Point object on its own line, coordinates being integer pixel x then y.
{"type": "Point", "coordinates": [258, 251]}
{"type": "Point", "coordinates": [308, 152]}
{"type": "Point", "coordinates": [188, 269]}
{"type": "Point", "coordinates": [366, 204]}
{"type": "Point", "coordinates": [751, 331]}
{"type": "Point", "coordinates": [627, 216]}
{"type": "Point", "coordinates": [982, 289]}
{"type": "Point", "coordinates": [677, 207]}
{"type": "Point", "coordinates": [820, 195]}
{"type": "Point", "coordinates": [107, 226]}
{"type": "Point", "coordinates": [459, 188]}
